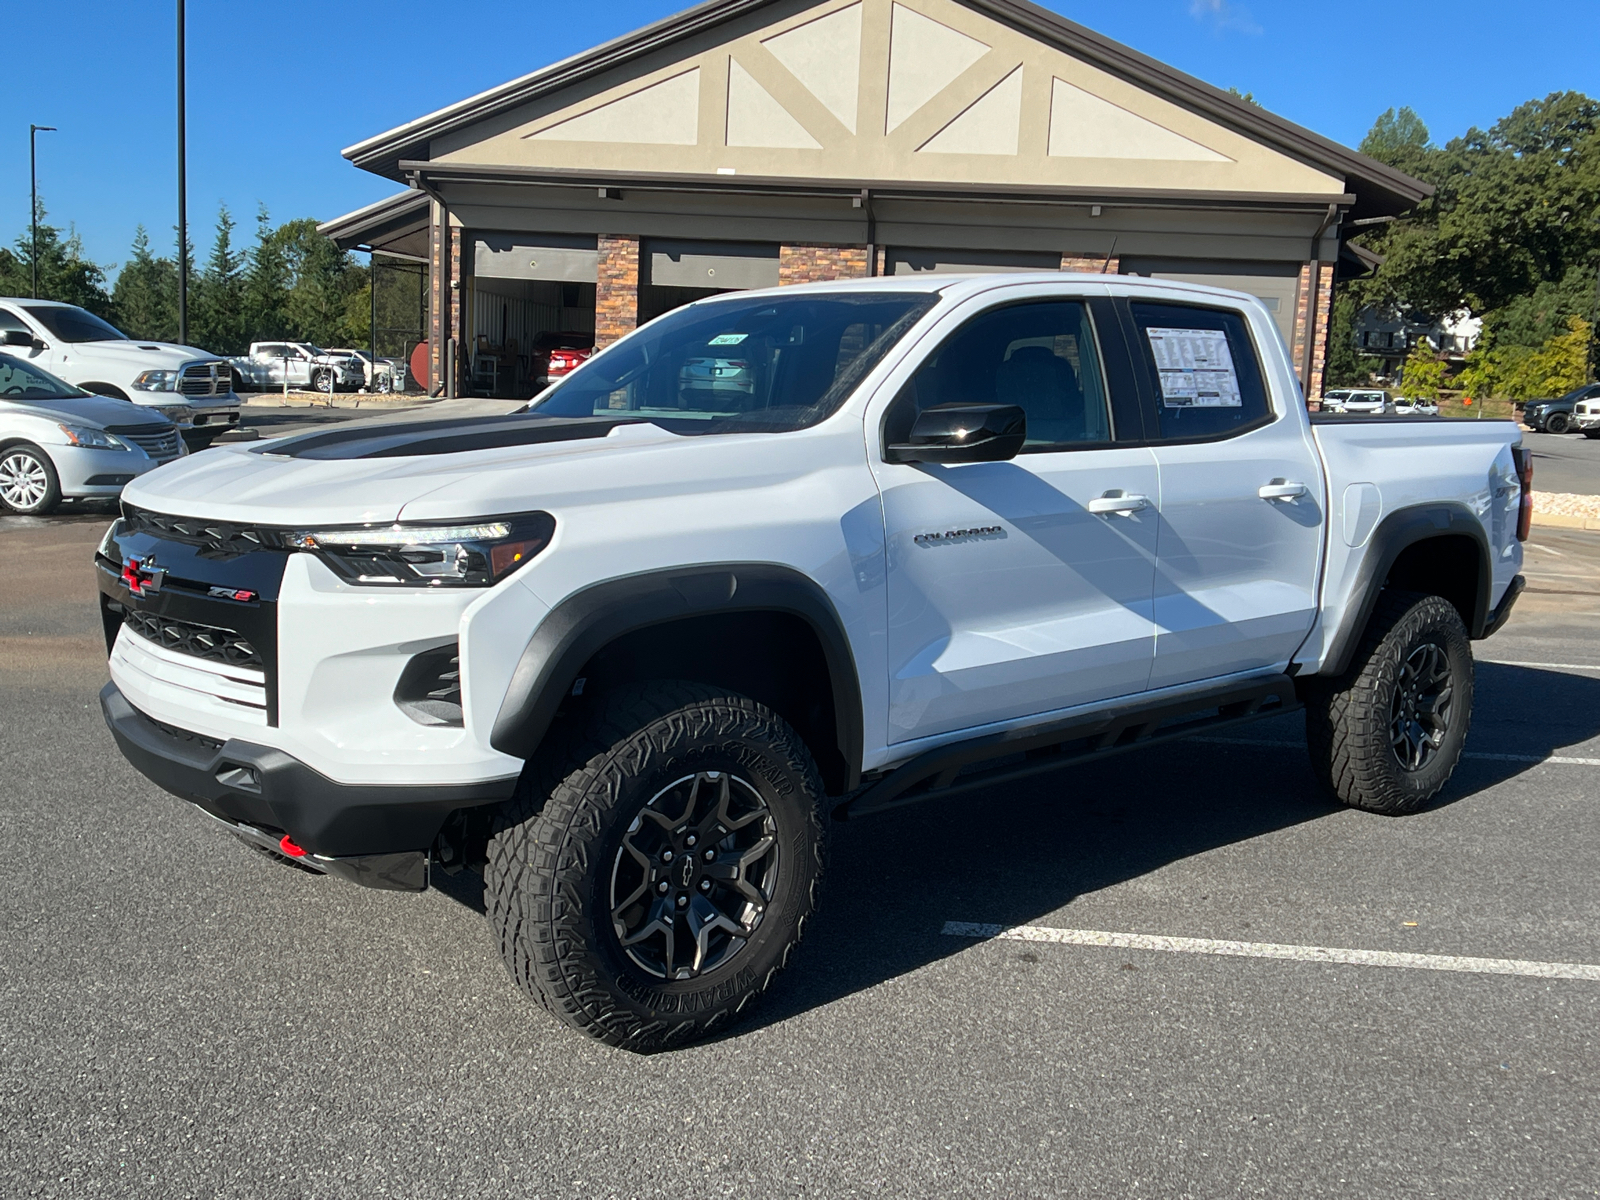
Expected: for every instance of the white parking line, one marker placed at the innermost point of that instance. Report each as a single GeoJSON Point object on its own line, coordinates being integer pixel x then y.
{"type": "Point", "coordinates": [1507, 662]}
{"type": "Point", "coordinates": [1320, 954]}
{"type": "Point", "coordinates": [1559, 759]}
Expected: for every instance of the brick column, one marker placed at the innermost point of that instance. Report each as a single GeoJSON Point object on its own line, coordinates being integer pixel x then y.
{"type": "Point", "coordinates": [444, 301]}
{"type": "Point", "coordinates": [1303, 308]}
{"type": "Point", "coordinates": [1090, 264]}
{"type": "Point", "coordinates": [1319, 338]}
{"type": "Point", "coordinates": [820, 263]}
{"type": "Point", "coordinates": [616, 292]}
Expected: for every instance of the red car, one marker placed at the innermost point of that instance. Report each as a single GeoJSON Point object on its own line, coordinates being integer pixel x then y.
{"type": "Point", "coordinates": [556, 355]}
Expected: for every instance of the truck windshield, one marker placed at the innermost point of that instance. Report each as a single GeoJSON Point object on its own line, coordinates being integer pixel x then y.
{"type": "Point", "coordinates": [73, 324]}
{"type": "Point", "coordinates": [767, 364]}
{"type": "Point", "coordinates": [20, 381]}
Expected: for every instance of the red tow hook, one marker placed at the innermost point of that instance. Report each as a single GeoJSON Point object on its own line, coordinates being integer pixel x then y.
{"type": "Point", "coordinates": [290, 848]}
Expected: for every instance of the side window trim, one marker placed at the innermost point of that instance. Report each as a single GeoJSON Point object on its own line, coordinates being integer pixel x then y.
{"type": "Point", "coordinates": [1150, 388]}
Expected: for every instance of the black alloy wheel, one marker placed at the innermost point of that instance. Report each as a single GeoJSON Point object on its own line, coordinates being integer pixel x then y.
{"type": "Point", "coordinates": [694, 875]}
{"type": "Point", "coordinates": [1419, 719]}
{"type": "Point", "coordinates": [1387, 734]}
{"type": "Point", "coordinates": [1557, 423]}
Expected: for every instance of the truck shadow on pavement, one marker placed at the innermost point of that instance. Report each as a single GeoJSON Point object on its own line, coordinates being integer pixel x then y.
{"type": "Point", "coordinates": [1018, 853]}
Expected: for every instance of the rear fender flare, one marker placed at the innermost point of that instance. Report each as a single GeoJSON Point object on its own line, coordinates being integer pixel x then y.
{"type": "Point", "coordinates": [588, 620]}
{"type": "Point", "coordinates": [1397, 532]}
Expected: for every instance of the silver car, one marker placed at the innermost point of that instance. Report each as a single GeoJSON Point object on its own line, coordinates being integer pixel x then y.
{"type": "Point", "coordinates": [59, 442]}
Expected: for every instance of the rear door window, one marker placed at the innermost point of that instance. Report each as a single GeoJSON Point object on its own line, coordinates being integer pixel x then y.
{"type": "Point", "coordinates": [1205, 378]}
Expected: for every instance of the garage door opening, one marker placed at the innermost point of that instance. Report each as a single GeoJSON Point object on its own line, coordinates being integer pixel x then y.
{"type": "Point", "coordinates": [532, 297]}
{"type": "Point", "coordinates": [674, 273]}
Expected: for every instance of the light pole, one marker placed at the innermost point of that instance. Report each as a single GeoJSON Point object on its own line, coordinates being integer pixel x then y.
{"type": "Point", "coordinates": [183, 206]}
{"type": "Point", "coordinates": [33, 197]}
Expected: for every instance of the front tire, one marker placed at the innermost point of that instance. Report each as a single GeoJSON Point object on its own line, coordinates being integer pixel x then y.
{"type": "Point", "coordinates": [29, 485]}
{"type": "Point", "coordinates": [1387, 734]}
{"type": "Point", "coordinates": [659, 878]}
{"type": "Point", "coordinates": [322, 381]}
{"type": "Point", "coordinates": [1557, 423]}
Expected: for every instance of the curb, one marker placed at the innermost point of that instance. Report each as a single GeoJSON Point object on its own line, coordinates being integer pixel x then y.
{"type": "Point", "coordinates": [337, 400]}
{"type": "Point", "coordinates": [1561, 521]}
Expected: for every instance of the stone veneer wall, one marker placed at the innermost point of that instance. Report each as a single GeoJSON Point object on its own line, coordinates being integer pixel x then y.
{"type": "Point", "coordinates": [817, 264]}
{"type": "Point", "coordinates": [444, 301]}
{"type": "Point", "coordinates": [1313, 310]}
{"type": "Point", "coordinates": [1090, 264]}
{"type": "Point", "coordinates": [616, 293]}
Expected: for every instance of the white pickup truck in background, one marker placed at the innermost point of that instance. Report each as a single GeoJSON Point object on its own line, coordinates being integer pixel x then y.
{"type": "Point", "coordinates": [192, 389]}
{"type": "Point", "coordinates": [625, 652]}
{"type": "Point", "coordinates": [299, 365]}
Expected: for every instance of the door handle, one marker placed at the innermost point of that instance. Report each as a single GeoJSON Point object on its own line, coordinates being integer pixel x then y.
{"type": "Point", "coordinates": [1118, 504]}
{"type": "Point", "coordinates": [1280, 489]}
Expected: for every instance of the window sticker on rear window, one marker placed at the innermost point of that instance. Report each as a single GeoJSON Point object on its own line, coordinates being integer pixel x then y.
{"type": "Point", "coordinates": [1196, 368]}
{"type": "Point", "coordinates": [727, 339]}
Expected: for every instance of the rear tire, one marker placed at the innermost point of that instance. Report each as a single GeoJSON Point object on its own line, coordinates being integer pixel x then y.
{"type": "Point", "coordinates": [1387, 734]}
{"type": "Point", "coordinates": [29, 485]}
{"type": "Point", "coordinates": [653, 879]}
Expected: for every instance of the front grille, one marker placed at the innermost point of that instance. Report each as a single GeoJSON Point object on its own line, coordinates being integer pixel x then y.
{"type": "Point", "coordinates": [206, 379]}
{"type": "Point", "coordinates": [158, 441]}
{"type": "Point", "coordinates": [210, 642]}
{"type": "Point", "coordinates": [213, 537]}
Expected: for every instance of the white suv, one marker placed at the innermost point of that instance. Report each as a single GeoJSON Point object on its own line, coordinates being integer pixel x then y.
{"type": "Point", "coordinates": [1370, 403]}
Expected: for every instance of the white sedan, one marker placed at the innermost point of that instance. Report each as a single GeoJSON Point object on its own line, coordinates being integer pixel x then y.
{"type": "Point", "coordinates": [59, 442]}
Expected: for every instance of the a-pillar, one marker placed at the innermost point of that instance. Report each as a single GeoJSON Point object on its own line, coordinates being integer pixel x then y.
{"type": "Point", "coordinates": [616, 290]}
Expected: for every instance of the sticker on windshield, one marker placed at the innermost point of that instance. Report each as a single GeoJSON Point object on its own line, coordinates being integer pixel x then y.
{"type": "Point", "coordinates": [727, 339]}
{"type": "Point", "coordinates": [1196, 368]}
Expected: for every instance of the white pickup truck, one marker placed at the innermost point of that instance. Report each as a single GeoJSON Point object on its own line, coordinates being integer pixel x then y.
{"type": "Point", "coordinates": [192, 389]}
{"type": "Point", "coordinates": [299, 365]}
{"type": "Point", "coordinates": [627, 652]}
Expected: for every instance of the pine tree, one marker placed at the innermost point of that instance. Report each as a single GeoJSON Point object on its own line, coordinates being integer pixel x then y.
{"type": "Point", "coordinates": [265, 285]}
{"type": "Point", "coordinates": [216, 321]}
{"type": "Point", "coordinates": [146, 295]}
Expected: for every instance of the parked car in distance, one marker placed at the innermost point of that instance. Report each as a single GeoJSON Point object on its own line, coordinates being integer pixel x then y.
{"type": "Point", "coordinates": [390, 372]}
{"type": "Point", "coordinates": [306, 367]}
{"type": "Point", "coordinates": [1356, 400]}
{"type": "Point", "coordinates": [1586, 413]}
{"type": "Point", "coordinates": [190, 388]}
{"type": "Point", "coordinates": [1411, 406]}
{"type": "Point", "coordinates": [1557, 416]}
{"type": "Point", "coordinates": [60, 442]}
{"type": "Point", "coordinates": [556, 355]}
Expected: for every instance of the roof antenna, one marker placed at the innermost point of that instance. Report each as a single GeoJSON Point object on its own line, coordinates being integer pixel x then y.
{"type": "Point", "coordinates": [1106, 266]}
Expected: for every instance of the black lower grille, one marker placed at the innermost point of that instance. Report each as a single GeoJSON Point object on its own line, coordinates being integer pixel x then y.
{"type": "Point", "coordinates": [209, 642]}
{"type": "Point", "coordinates": [429, 691]}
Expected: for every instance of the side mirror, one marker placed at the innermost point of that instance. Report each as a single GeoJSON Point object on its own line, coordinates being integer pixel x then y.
{"type": "Point", "coordinates": [19, 337]}
{"type": "Point", "coordinates": [964, 433]}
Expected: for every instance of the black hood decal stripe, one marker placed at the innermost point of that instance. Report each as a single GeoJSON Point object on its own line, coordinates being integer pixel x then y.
{"type": "Point", "coordinates": [421, 438]}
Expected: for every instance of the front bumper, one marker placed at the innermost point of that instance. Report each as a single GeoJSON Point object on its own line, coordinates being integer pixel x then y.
{"type": "Point", "coordinates": [376, 835]}
{"type": "Point", "coordinates": [84, 472]}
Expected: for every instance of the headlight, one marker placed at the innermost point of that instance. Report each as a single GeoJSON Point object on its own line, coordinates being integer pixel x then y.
{"type": "Point", "coordinates": [478, 553]}
{"type": "Point", "coordinates": [91, 439]}
{"type": "Point", "coordinates": [157, 381]}
{"type": "Point", "coordinates": [178, 414]}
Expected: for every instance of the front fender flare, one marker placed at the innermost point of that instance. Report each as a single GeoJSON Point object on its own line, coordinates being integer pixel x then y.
{"type": "Point", "coordinates": [585, 622]}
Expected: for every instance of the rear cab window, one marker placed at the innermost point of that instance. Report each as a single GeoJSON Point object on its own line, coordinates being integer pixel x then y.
{"type": "Point", "coordinates": [1205, 379]}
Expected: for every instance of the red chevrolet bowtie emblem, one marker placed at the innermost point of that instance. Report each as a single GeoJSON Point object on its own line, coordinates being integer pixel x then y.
{"type": "Point", "coordinates": [142, 578]}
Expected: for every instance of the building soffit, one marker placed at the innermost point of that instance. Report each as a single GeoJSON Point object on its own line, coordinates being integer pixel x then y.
{"type": "Point", "coordinates": [889, 92]}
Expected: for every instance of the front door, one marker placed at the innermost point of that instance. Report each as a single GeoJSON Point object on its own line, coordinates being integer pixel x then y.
{"type": "Point", "coordinates": [1242, 524]}
{"type": "Point", "coordinates": [1022, 587]}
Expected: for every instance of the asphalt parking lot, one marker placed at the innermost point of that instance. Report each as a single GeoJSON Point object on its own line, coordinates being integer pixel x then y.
{"type": "Point", "coordinates": [1567, 462]}
{"type": "Point", "coordinates": [185, 1018]}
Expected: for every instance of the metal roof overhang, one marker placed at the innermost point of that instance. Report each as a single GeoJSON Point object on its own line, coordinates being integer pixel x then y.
{"type": "Point", "coordinates": [429, 175]}
{"type": "Point", "coordinates": [397, 225]}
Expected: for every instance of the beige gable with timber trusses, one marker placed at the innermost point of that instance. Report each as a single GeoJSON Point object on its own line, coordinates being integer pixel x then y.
{"type": "Point", "coordinates": [880, 90]}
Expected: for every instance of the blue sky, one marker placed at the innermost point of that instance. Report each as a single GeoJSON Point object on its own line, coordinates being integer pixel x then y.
{"type": "Point", "coordinates": [278, 87]}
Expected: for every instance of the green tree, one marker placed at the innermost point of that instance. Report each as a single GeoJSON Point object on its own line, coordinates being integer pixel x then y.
{"type": "Point", "coordinates": [217, 322]}
{"type": "Point", "coordinates": [65, 272]}
{"type": "Point", "coordinates": [146, 294]}
{"type": "Point", "coordinates": [1423, 373]}
{"type": "Point", "coordinates": [266, 284]}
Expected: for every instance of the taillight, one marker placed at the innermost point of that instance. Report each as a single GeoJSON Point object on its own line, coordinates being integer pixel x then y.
{"type": "Point", "coordinates": [1523, 458]}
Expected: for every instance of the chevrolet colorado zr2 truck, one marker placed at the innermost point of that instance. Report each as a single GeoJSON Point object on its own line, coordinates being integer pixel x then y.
{"type": "Point", "coordinates": [781, 557]}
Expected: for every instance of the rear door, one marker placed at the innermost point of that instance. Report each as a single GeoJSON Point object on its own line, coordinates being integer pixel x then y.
{"type": "Point", "coordinates": [1017, 588]}
{"type": "Point", "coordinates": [1240, 542]}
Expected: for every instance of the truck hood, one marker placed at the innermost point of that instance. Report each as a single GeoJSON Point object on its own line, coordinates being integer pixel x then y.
{"type": "Point", "coordinates": [139, 356]}
{"type": "Point", "coordinates": [368, 473]}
